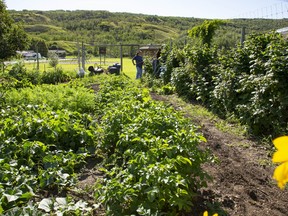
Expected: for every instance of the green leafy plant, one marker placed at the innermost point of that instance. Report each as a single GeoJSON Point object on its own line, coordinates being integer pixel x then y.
{"type": "Point", "coordinates": [153, 162]}
{"type": "Point", "coordinates": [44, 142]}
{"type": "Point", "coordinates": [150, 153]}
{"type": "Point", "coordinates": [53, 59]}
{"type": "Point", "coordinates": [171, 58]}
{"type": "Point", "coordinates": [62, 205]}
{"type": "Point", "coordinates": [68, 96]}
{"type": "Point", "coordinates": [254, 82]}
{"type": "Point", "coordinates": [206, 31]}
{"type": "Point", "coordinates": [55, 77]}
{"type": "Point", "coordinates": [181, 80]}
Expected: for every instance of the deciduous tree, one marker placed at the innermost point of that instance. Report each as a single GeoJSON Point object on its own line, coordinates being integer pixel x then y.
{"type": "Point", "coordinates": [12, 36]}
{"type": "Point", "coordinates": [38, 44]}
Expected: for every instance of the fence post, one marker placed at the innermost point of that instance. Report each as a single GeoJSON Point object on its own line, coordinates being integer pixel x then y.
{"type": "Point", "coordinates": [83, 56]}
{"type": "Point", "coordinates": [37, 57]}
{"type": "Point", "coordinates": [78, 48]}
{"type": "Point", "coordinates": [242, 35]}
{"type": "Point", "coordinates": [121, 57]}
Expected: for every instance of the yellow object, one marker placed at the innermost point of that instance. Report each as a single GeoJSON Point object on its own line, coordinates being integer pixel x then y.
{"type": "Point", "coordinates": [206, 214]}
{"type": "Point", "coordinates": [281, 156]}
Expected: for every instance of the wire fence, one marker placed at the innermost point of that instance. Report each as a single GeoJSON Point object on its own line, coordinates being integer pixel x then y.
{"type": "Point", "coordinates": [275, 11]}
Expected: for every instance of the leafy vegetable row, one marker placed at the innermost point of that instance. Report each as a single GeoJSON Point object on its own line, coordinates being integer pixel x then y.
{"type": "Point", "coordinates": [151, 158]}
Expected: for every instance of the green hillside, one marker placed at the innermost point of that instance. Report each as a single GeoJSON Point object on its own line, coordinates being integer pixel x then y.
{"type": "Point", "coordinates": [103, 27]}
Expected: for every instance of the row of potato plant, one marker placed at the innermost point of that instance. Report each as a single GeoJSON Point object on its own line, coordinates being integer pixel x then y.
{"type": "Point", "coordinates": [153, 160]}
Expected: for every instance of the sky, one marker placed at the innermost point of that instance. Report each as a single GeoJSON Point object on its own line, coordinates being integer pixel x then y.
{"type": "Point", "coordinates": [210, 9]}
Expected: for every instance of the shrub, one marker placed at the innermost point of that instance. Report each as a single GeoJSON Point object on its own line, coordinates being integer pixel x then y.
{"type": "Point", "coordinates": [182, 81]}
{"type": "Point", "coordinates": [171, 57]}
{"type": "Point", "coordinates": [53, 59]}
{"type": "Point", "coordinates": [199, 61]}
{"type": "Point", "coordinates": [18, 71]}
{"type": "Point", "coordinates": [253, 84]}
{"type": "Point", "coordinates": [23, 78]}
{"type": "Point", "coordinates": [54, 77]}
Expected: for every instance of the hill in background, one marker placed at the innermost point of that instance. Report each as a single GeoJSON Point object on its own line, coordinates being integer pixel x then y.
{"type": "Point", "coordinates": [65, 28]}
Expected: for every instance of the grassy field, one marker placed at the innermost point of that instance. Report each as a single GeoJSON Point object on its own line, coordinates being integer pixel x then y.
{"type": "Point", "coordinates": [71, 66]}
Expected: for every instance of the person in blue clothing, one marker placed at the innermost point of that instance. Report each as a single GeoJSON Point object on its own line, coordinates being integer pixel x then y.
{"type": "Point", "coordinates": [138, 61]}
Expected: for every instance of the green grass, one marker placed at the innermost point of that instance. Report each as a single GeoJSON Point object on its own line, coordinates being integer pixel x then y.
{"type": "Point", "coordinates": [200, 114]}
{"type": "Point", "coordinates": [70, 65]}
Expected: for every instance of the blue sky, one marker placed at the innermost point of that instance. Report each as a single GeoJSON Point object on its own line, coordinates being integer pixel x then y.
{"type": "Point", "coordinates": [211, 9]}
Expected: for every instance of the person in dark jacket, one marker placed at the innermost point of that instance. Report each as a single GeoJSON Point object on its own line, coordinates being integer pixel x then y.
{"type": "Point", "coordinates": [138, 61]}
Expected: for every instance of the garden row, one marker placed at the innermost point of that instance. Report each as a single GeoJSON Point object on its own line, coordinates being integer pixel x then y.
{"type": "Point", "coordinates": [247, 83]}
{"type": "Point", "coordinates": [148, 153]}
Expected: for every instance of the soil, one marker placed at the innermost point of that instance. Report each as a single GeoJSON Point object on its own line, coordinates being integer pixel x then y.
{"type": "Point", "coordinates": [241, 184]}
